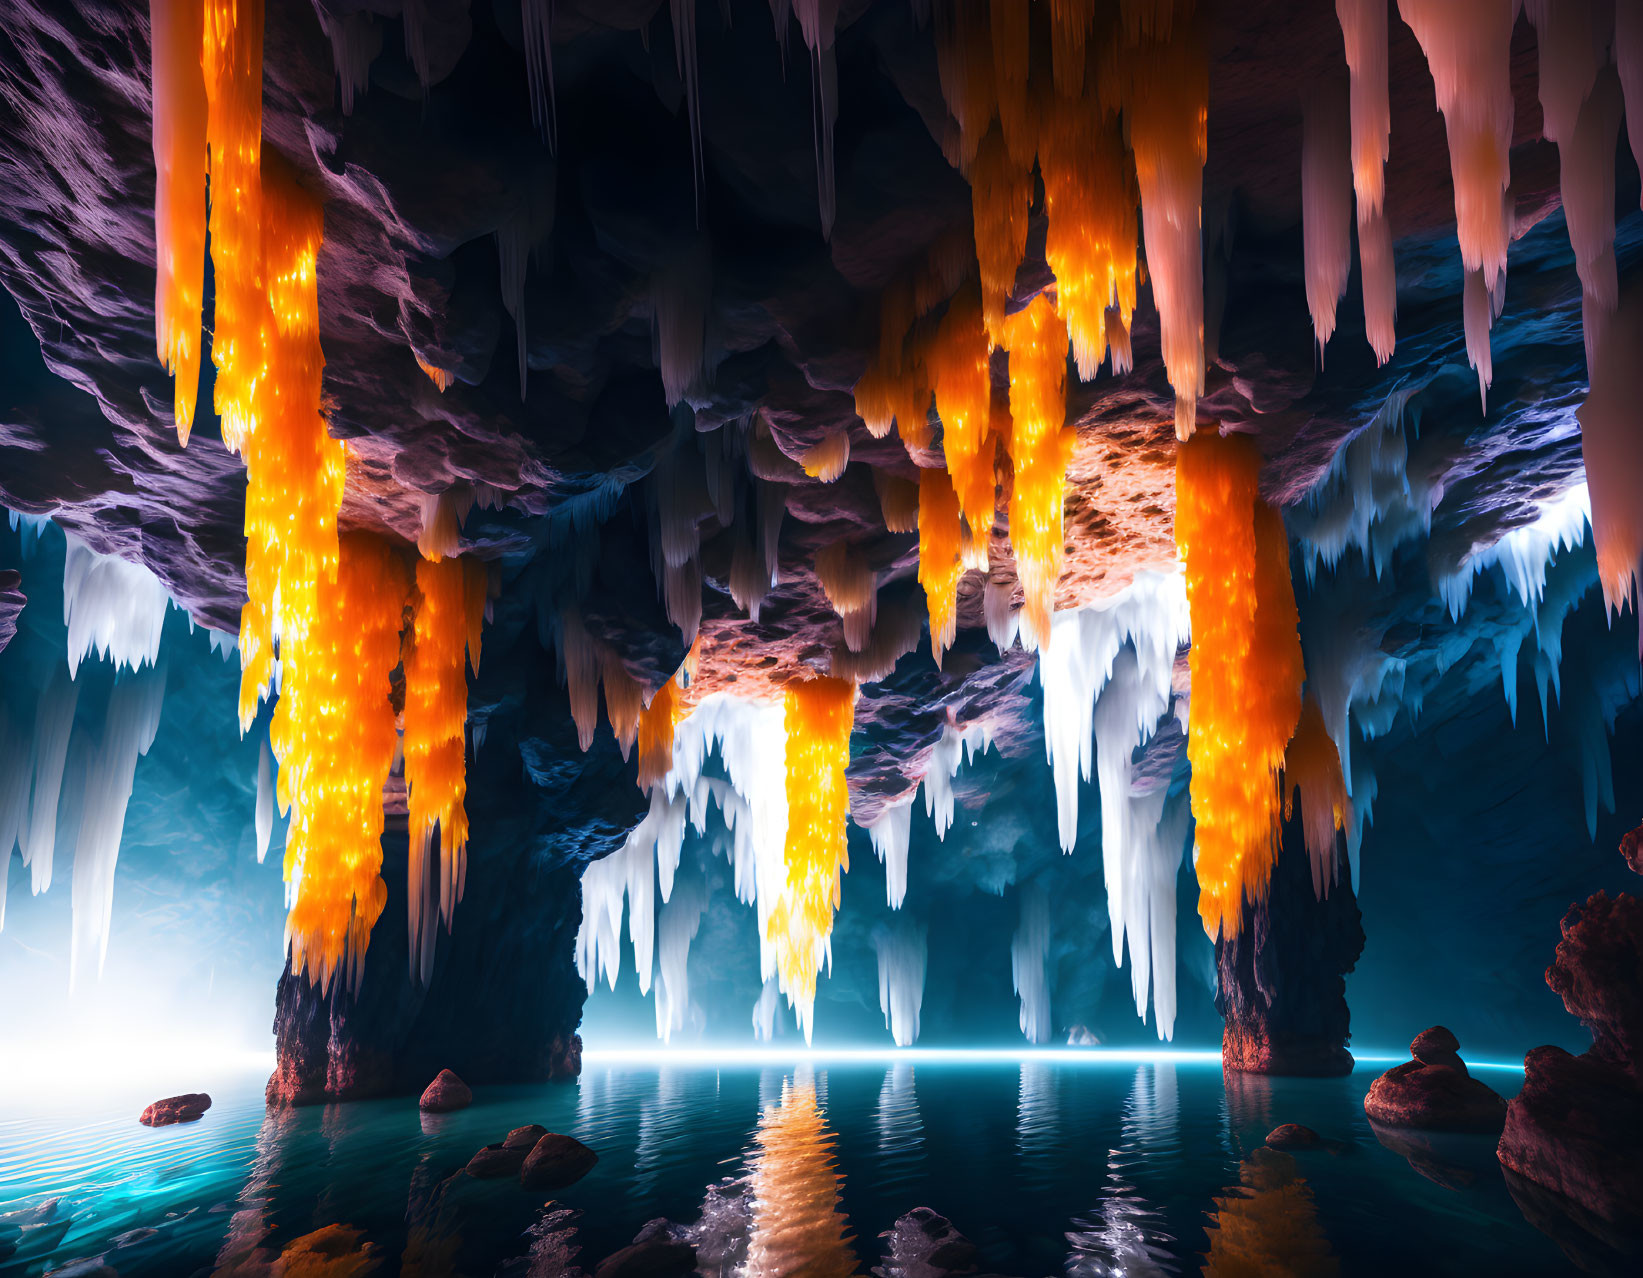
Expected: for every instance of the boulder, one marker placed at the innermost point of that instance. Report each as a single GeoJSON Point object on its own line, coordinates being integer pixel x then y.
{"type": "Point", "coordinates": [1434, 1091]}
{"type": "Point", "coordinates": [495, 1161]}
{"type": "Point", "coordinates": [556, 1161]}
{"type": "Point", "coordinates": [445, 1093]}
{"type": "Point", "coordinates": [187, 1108]}
{"type": "Point", "coordinates": [1293, 1136]}
{"type": "Point", "coordinates": [525, 1137]}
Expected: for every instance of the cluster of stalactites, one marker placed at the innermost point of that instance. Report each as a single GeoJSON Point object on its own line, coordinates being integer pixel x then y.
{"type": "Point", "coordinates": [1364, 29]}
{"type": "Point", "coordinates": [940, 544]}
{"type": "Point", "coordinates": [334, 735]}
{"type": "Point", "coordinates": [443, 637]}
{"type": "Point", "coordinates": [819, 716]}
{"type": "Point", "coordinates": [589, 663]}
{"type": "Point", "coordinates": [1312, 771]}
{"type": "Point", "coordinates": [1246, 669]}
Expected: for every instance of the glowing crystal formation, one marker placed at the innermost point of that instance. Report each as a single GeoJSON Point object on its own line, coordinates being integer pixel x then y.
{"type": "Point", "coordinates": [958, 365]}
{"type": "Point", "coordinates": [450, 607]}
{"type": "Point", "coordinates": [333, 734]}
{"type": "Point", "coordinates": [1001, 193]}
{"type": "Point", "coordinates": [1246, 669]}
{"type": "Point", "coordinates": [1312, 770]}
{"type": "Point", "coordinates": [940, 535]}
{"type": "Point", "coordinates": [819, 715]}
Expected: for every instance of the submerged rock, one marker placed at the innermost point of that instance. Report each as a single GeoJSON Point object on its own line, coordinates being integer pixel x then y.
{"type": "Point", "coordinates": [556, 1161]}
{"type": "Point", "coordinates": [445, 1093]}
{"type": "Point", "coordinates": [1434, 1091]}
{"type": "Point", "coordinates": [656, 1258]}
{"type": "Point", "coordinates": [187, 1108]}
{"type": "Point", "coordinates": [924, 1244]}
{"type": "Point", "coordinates": [1293, 1136]}
{"type": "Point", "coordinates": [496, 1161]}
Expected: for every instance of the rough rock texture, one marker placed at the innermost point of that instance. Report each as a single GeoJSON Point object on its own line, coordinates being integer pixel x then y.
{"type": "Point", "coordinates": [12, 600]}
{"type": "Point", "coordinates": [1434, 1091]}
{"type": "Point", "coordinates": [1293, 1136]}
{"type": "Point", "coordinates": [187, 1108]}
{"type": "Point", "coordinates": [657, 1258]}
{"type": "Point", "coordinates": [1575, 1130]}
{"type": "Point", "coordinates": [496, 1161]}
{"type": "Point", "coordinates": [1282, 979]}
{"type": "Point", "coordinates": [525, 1137]}
{"type": "Point", "coordinates": [556, 1161]}
{"type": "Point", "coordinates": [445, 1093]}
{"type": "Point", "coordinates": [1631, 848]}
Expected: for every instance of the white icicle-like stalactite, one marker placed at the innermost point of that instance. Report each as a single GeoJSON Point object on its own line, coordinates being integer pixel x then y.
{"type": "Point", "coordinates": [902, 948]}
{"type": "Point", "coordinates": [891, 832]}
{"type": "Point", "coordinates": [1151, 615]}
{"type": "Point", "coordinates": [112, 607]}
{"type": "Point", "coordinates": [956, 747]}
{"type": "Point", "coordinates": [676, 928]}
{"type": "Point", "coordinates": [1029, 963]}
{"type": "Point", "coordinates": [265, 800]}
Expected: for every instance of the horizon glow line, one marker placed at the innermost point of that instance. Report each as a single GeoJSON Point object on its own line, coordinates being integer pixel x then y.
{"type": "Point", "coordinates": [938, 1056]}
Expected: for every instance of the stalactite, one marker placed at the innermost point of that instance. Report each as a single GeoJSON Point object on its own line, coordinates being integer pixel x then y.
{"type": "Point", "coordinates": [819, 715]}
{"type": "Point", "coordinates": [1312, 770]}
{"type": "Point", "coordinates": [1478, 313]}
{"type": "Point", "coordinates": [1379, 274]}
{"type": "Point", "coordinates": [898, 501]}
{"type": "Point", "coordinates": [827, 459]}
{"type": "Point", "coordinates": [1364, 28]}
{"type": "Point", "coordinates": [1029, 963]}
{"type": "Point", "coordinates": [513, 253]}
{"type": "Point", "coordinates": [112, 607]}
{"type": "Point", "coordinates": [1070, 22]}
{"type": "Point", "coordinates": [940, 530]}
{"type": "Point", "coordinates": [1628, 59]}
{"type": "Point", "coordinates": [537, 18]}
{"type": "Point", "coordinates": [891, 834]}
{"type": "Point", "coordinates": [265, 801]}
{"type": "Point", "coordinates": [656, 727]}
{"type": "Point", "coordinates": [958, 365]}
{"type": "Point", "coordinates": [53, 728]}
{"type": "Point", "coordinates": [179, 195]}
{"type": "Point", "coordinates": [1001, 194]}
{"type": "Point", "coordinates": [624, 701]}
{"type": "Point", "coordinates": [902, 948]}
{"type": "Point", "coordinates": [849, 583]}
{"type": "Point", "coordinates": [955, 747]}
{"type": "Point", "coordinates": [964, 61]}
{"type": "Point", "coordinates": [679, 298]}
{"type": "Point", "coordinates": [442, 516]}
{"type": "Point", "coordinates": [683, 13]}
{"type": "Point", "coordinates": [356, 39]}
{"type": "Point", "coordinates": [1040, 448]}
{"type": "Point", "coordinates": [1246, 669]}
{"type": "Point", "coordinates": [333, 734]}
{"type": "Point", "coordinates": [1468, 49]}
{"type": "Point", "coordinates": [1612, 448]}
{"type": "Point", "coordinates": [1326, 207]}
{"type": "Point", "coordinates": [818, 20]}
{"type": "Point", "coordinates": [1090, 198]}
{"type": "Point", "coordinates": [442, 639]}
{"type": "Point", "coordinates": [1166, 79]}
{"type": "Point", "coordinates": [233, 86]}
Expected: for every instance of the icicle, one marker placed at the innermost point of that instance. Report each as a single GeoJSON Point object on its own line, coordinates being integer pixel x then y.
{"type": "Point", "coordinates": [265, 801]}
{"type": "Point", "coordinates": [1524, 553]}
{"type": "Point", "coordinates": [15, 773]}
{"type": "Point", "coordinates": [537, 16]}
{"type": "Point", "coordinates": [1468, 49]}
{"type": "Point", "coordinates": [1152, 616]}
{"type": "Point", "coordinates": [1326, 203]}
{"type": "Point", "coordinates": [1246, 669]}
{"type": "Point", "coordinates": [902, 949]}
{"type": "Point", "coordinates": [356, 39]}
{"type": "Point", "coordinates": [1612, 448]}
{"type": "Point", "coordinates": [849, 583]}
{"type": "Point", "coordinates": [818, 20]}
{"type": "Point", "coordinates": [53, 726]}
{"type": "Point", "coordinates": [765, 1010]}
{"type": "Point", "coordinates": [676, 928]}
{"type": "Point", "coordinates": [998, 606]}
{"type": "Point", "coordinates": [1029, 964]}
{"type": "Point", "coordinates": [129, 728]}
{"type": "Point", "coordinates": [950, 752]}
{"type": "Point", "coordinates": [179, 195]}
{"type": "Point", "coordinates": [891, 833]}
{"type": "Point", "coordinates": [111, 607]}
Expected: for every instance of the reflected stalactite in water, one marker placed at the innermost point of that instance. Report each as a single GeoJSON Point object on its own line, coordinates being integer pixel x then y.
{"type": "Point", "coordinates": [901, 1126]}
{"type": "Point", "coordinates": [1038, 1136]}
{"type": "Point", "coordinates": [1267, 1225]}
{"type": "Point", "coordinates": [1127, 1234]}
{"type": "Point", "coordinates": [798, 1230]}
{"type": "Point", "coordinates": [243, 1254]}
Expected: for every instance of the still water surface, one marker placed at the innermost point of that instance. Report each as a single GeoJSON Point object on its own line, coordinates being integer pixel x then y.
{"type": "Point", "coordinates": [1080, 1168]}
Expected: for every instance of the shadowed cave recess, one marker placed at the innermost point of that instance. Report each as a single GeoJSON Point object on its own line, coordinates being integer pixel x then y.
{"type": "Point", "coordinates": [541, 527]}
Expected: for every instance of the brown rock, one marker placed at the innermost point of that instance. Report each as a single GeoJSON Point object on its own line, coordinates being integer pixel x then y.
{"type": "Point", "coordinates": [556, 1161]}
{"type": "Point", "coordinates": [445, 1093]}
{"type": "Point", "coordinates": [1434, 1091]}
{"type": "Point", "coordinates": [1293, 1136]}
{"type": "Point", "coordinates": [525, 1137]}
{"type": "Point", "coordinates": [660, 1258]}
{"type": "Point", "coordinates": [176, 1109]}
{"type": "Point", "coordinates": [496, 1161]}
{"type": "Point", "coordinates": [1631, 847]}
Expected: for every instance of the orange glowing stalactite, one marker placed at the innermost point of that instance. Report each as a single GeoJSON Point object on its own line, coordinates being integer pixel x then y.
{"type": "Point", "coordinates": [442, 640]}
{"type": "Point", "coordinates": [1246, 669]}
{"type": "Point", "coordinates": [964, 61]}
{"type": "Point", "coordinates": [1090, 199]}
{"type": "Point", "coordinates": [657, 722]}
{"type": "Point", "coordinates": [940, 539]}
{"type": "Point", "coordinates": [1312, 770]}
{"type": "Point", "coordinates": [333, 733]}
{"type": "Point", "coordinates": [179, 195]}
{"type": "Point", "coordinates": [1040, 447]}
{"type": "Point", "coordinates": [820, 714]}
{"type": "Point", "coordinates": [232, 60]}
{"type": "Point", "coordinates": [958, 362]}
{"type": "Point", "coordinates": [1001, 196]}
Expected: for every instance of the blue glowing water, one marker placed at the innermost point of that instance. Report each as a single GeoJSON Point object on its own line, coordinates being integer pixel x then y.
{"type": "Point", "coordinates": [1049, 1167]}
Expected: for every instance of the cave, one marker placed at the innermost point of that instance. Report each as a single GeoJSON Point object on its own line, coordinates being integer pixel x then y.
{"type": "Point", "coordinates": [915, 637]}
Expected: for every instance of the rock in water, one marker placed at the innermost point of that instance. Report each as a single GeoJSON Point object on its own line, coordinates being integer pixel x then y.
{"type": "Point", "coordinates": [176, 1109]}
{"type": "Point", "coordinates": [1434, 1091]}
{"type": "Point", "coordinates": [496, 1161]}
{"type": "Point", "coordinates": [445, 1093]}
{"type": "Point", "coordinates": [556, 1161]}
{"type": "Point", "coordinates": [659, 1258]}
{"type": "Point", "coordinates": [525, 1137]}
{"type": "Point", "coordinates": [1293, 1136]}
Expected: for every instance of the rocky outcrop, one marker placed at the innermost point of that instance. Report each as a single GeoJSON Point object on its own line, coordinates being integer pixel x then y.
{"type": "Point", "coordinates": [12, 600]}
{"type": "Point", "coordinates": [1574, 1133]}
{"type": "Point", "coordinates": [188, 1108]}
{"type": "Point", "coordinates": [1293, 1136]}
{"type": "Point", "coordinates": [446, 1093]}
{"type": "Point", "coordinates": [556, 1161]}
{"type": "Point", "coordinates": [1435, 1091]}
{"type": "Point", "coordinates": [1282, 979]}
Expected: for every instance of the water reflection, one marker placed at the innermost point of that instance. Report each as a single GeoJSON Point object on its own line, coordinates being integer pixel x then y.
{"type": "Point", "coordinates": [1127, 1236]}
{"type": "Point", "coordinates": [797, 1227]}
{"type": "Point", "coordinates": [1267, 1225]}
{"type": "Point", "coordinates": [1040, 1142]}
{"type": "Point", "coordinates": [900, 1127]}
